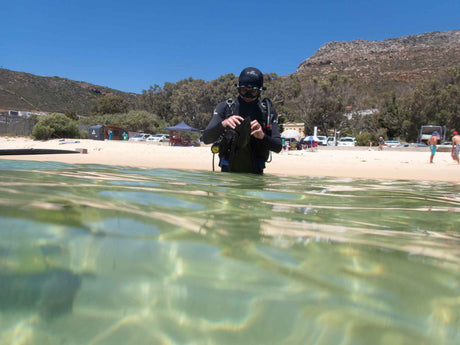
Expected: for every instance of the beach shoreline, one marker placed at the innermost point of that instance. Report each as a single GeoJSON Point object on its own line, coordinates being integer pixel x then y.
{"type": "Point", "coordinates": [353, 162]}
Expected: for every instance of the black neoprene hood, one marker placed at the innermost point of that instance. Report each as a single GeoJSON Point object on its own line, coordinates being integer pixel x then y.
{"type": "Point", "coordinates": [251, 77]}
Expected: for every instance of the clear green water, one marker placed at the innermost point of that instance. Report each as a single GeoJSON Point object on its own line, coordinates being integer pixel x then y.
{"type": "Point", "coordinates": [106, 255]}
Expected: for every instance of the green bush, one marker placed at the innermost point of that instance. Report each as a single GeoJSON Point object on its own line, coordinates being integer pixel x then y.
{"type": "Point", "coordinates": [84, 134]}
{"type": "Point", "coordinates": [363, 139]}
{"type": "Point", "coordinates": [42, 132]}
{"type": "Point", "coordinates": [55, 125]}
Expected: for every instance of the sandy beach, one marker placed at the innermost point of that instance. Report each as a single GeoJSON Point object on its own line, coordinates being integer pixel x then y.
{"type": "Point", "coordinates": [354, 162]}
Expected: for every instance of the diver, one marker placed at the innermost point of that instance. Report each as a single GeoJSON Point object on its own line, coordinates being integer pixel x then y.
{"type": "Point", "coordinates": [245, 129]}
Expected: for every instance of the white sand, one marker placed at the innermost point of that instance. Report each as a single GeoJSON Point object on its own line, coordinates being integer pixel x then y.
{"type": "Point", "coordinates": [358, 162]}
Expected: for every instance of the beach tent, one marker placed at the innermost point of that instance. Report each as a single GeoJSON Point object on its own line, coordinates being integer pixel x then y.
{"type": "Point", "coordinates": [182, 127]}
{"type": "Point", "coordinates": [101, 132]}
{"type": "Point", "coordinates": [96, 132]}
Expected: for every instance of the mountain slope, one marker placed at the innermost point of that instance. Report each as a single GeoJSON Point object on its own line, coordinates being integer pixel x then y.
{"type": "Point", "coordinates": [400, 60]}
{"type": "Point", "coordinates": [29, 92]}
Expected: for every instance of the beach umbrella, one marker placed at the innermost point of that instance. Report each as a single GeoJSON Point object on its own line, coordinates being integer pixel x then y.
{"type": "Point", "coordinates": [290, 133]}
{"type": "Point", "coordinates": [310, 138]}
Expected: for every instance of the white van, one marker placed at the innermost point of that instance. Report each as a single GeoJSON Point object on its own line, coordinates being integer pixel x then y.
{"type": "Point", "coordinates": [160, 138]}
{"type": "Point", "coordinates": [346, 141]}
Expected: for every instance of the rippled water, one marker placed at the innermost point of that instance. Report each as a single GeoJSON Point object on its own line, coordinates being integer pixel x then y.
{"type": "Point", "coordinates": [107, 255]}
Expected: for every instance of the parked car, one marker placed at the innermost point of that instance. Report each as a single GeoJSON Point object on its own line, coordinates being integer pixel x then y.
{"type": "Point", "coordinates": [392, 143]}
{"type": "Point", "coordinates": [322, 140]}
{"type": "Point", "coordinates": [140, 137]}
{"type": "Point", "coordinates": [159, 138]}
{"type": "Point", "coordinates": [331, 141]}
{"type": "Point", "coordinates": [346, 141]}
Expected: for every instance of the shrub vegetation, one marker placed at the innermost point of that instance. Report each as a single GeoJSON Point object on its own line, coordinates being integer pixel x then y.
{"type": "Point", "coordinates": [55, 125]}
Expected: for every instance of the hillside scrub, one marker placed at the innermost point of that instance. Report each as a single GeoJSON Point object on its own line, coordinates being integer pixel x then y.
{"type": "Point", "coordinates": [134, 120]}
{"type": "Point", "coordinates": [316, 103]}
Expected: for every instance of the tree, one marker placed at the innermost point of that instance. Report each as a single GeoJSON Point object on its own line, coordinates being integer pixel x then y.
{"type": "Point", "coordinates": [110, 104]}
{"type": "Point", "coordinates": [143, 121]}
{"type": "Point", "coordinates": [392, 118]}
{"type": "Point", "coordinates": [71, 115]}
{"type": "Point", "coordinates": [323, 104]}
{"type": "Point", "coordinates": [187, 103]}
{"type": "Point", "coordinates": [434, 102]}
{"type": "Point", "coordinates": [156, 100]}
{"type": "Point", "coordinates": [134, 120]}
{"type": "Point", "coordinates": [218, 90]}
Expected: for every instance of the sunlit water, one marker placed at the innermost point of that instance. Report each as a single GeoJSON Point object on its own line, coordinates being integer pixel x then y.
{"type": "Point", "coordinates": [107, 255]}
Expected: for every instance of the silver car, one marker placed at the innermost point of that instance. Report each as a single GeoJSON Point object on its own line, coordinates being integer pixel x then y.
{"type": "Point", "coordinates": [392, 143]}
{"type": "Point", "coordinates": [139, 137]}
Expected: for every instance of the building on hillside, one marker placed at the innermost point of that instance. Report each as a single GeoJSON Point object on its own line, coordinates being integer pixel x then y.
{"type": "Point", "coordinates": [25, 114]}
{"type": "Point", "coordinates": [364, 112]}
{"type": "Point", "coordinates": [298, 126]}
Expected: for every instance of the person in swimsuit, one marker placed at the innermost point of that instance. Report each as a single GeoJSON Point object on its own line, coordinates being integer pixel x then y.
{"type": "Point", "coordinates": [433, 141]}
{"type": "Point", "coordinates": [381, 143]}
{"type": "Point", "coordinates": [456, 146]}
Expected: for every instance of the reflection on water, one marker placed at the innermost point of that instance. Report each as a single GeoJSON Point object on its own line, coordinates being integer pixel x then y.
{"type": "Point", "coordinates": [107, 255]}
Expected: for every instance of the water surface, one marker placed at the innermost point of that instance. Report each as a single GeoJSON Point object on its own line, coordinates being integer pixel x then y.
{"type": "Point", "coordinates": [93, 254]}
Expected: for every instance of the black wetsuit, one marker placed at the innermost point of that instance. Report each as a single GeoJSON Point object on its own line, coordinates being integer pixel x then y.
{"type": "Point", "coordinates": [260, 148]}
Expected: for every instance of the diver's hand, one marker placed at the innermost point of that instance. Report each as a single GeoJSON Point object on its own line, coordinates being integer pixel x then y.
{"type": "Point", "coordinates": [256, 130]}
{"type": "Point", "coordinates": [232, 121]}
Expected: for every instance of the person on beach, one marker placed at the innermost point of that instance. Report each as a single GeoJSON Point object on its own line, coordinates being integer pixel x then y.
{"type": "Point", "coordinates": [456, 147]}
{"type": "Point", "coordinates": [245, 128]}
{"type": "Point", "coordinates": [381, 143]}
{"type": "Point", "coordinates": [433, 141]}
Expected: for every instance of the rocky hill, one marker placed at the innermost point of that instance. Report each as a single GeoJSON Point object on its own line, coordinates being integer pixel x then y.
{"type": "Point", "coordinates": [377, 66]}
{"type": "Point", "coordinates": [400, 60]}
{"type": "Point", "coordinates": [29, 92]}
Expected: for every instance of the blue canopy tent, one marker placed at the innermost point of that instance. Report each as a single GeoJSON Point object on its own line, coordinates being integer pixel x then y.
{"type": "Point", "coordinates": [178, 140]}
{"type": "Point", "coordinates": [182, 127]}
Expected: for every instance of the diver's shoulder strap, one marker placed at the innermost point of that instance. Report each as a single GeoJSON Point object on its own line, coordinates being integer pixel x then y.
{"type": "Point", "coordinates": [266, 107]}
{"type": "Point", "coordinates": [230, 108]}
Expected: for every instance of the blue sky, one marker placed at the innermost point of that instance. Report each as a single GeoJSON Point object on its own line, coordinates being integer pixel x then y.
{"type": "Point", "coordinates": [131, 45]}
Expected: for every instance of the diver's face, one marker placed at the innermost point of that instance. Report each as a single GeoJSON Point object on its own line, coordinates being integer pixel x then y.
{"type": "Point", "coordinates": [248, 94]}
